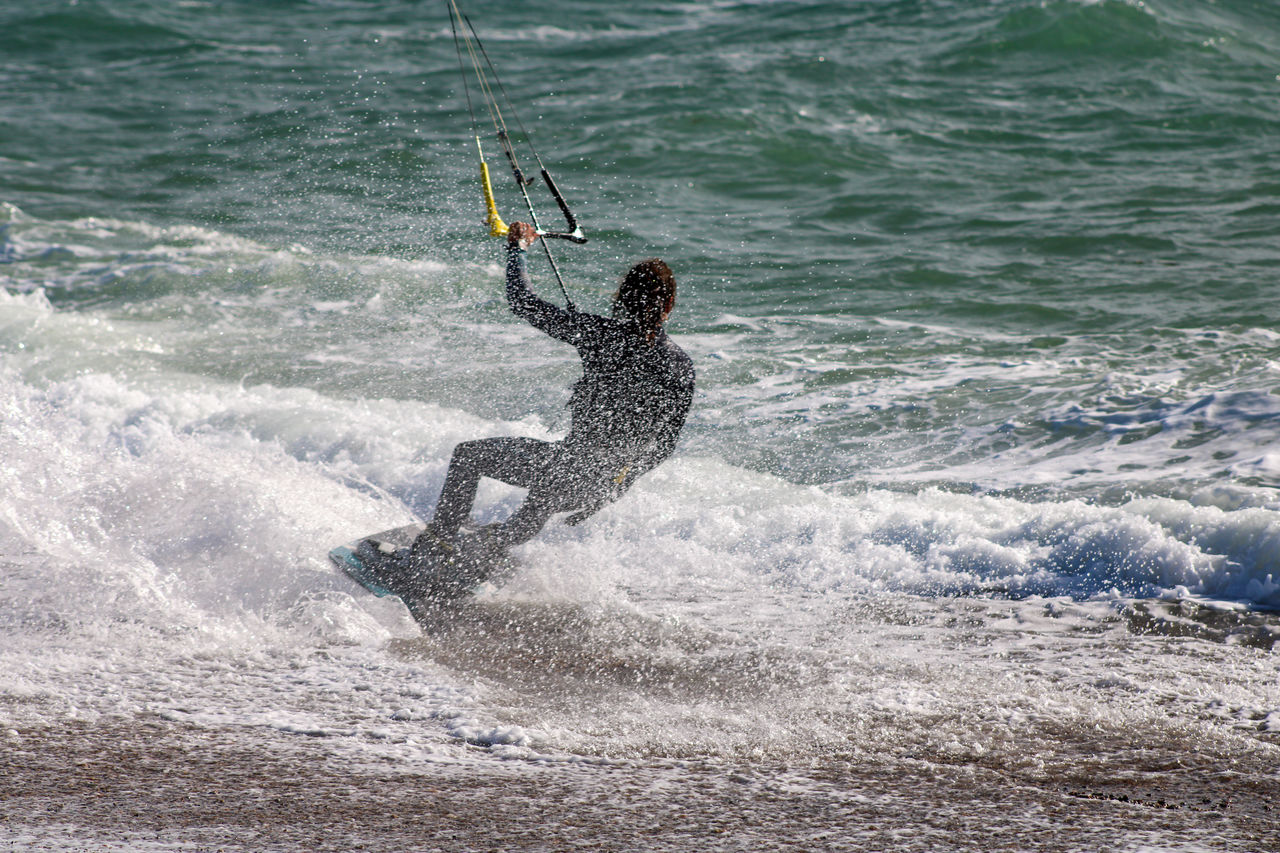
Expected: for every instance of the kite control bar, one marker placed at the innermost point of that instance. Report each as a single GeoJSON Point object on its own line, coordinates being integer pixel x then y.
{"type": "Point", "coordinates": [574, 234]}
{"type": "Point", "coordinates": [482, 68]}
{"type": "Point", "coordinates": [498, 228]}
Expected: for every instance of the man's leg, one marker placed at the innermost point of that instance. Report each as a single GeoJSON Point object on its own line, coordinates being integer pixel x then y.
{"type": "Point", "coordinates": [518, 461]}
{"type": "Point", "coordinates": [523, 524]}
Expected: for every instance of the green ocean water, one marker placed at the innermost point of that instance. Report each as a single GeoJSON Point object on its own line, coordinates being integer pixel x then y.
{"type": "Point", "coordinates": [877, 208]}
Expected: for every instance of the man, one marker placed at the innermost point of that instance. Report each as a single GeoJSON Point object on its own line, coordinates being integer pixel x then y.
{"type": "Point", "coordinates": [627, 411]}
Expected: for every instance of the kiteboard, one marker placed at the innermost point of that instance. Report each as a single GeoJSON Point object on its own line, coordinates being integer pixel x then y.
{"type": "Point", "coordinates": [385, 564]}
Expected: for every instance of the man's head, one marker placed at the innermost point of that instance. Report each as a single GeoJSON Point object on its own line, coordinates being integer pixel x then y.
{"type": "Point", "coordinates": [647, 295]}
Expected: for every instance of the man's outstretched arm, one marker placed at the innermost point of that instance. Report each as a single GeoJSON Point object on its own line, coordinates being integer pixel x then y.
{"type": "Point", "coordinates": [559, 323]}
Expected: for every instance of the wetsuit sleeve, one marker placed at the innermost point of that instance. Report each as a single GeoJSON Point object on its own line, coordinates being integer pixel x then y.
{"type": "Point", "coordinates": [559, 323]}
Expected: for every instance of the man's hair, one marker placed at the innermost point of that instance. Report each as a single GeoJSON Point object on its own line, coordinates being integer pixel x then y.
{"type": "Point", "coordinates": [647, 294]}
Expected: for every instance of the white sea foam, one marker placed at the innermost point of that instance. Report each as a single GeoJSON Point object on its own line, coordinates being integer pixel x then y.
{"type": "Point", "coordinates": [186, 527]}
{"type": "Point", "coordinates": [126, 451]}
{"type": "Point", "coordinates": [164, 531]}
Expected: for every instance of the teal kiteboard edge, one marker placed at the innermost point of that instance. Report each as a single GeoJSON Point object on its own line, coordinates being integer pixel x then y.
{"type": "Point", "coordinates": [381, 563]}
{"type": "Point", "coordinates": [347, 560]}
{"type": "Point", "coordinates": [377, 561]}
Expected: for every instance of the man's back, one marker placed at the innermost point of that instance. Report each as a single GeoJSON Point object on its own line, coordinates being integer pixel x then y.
{"type": "Point", "coordinates": [633, 394]}
{"type": "Point", "coordinates": [630, 404]}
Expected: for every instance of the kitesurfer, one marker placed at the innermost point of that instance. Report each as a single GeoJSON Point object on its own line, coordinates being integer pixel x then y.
{"type": "Point", "coordinates": [627, 410]}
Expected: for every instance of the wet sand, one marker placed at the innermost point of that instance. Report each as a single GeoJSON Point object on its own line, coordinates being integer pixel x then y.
{"type": "Point", "coordinates": [159, 785]}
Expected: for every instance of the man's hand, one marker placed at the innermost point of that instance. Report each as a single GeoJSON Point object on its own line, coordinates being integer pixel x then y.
{"type": "Point", "coordinates": [521, 235]}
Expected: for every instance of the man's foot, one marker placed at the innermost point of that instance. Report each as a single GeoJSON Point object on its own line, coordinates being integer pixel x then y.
{"type": "Point", "coordinates": [383, 563]}
{"type": "Point", "coordinates": [488, 539]}
{"type": "Point", "coordinates": [441, 568]}
{"type": "Point", "coordinates": [438, 570]}
{"type": "Point", "coordinates": [432, 546]}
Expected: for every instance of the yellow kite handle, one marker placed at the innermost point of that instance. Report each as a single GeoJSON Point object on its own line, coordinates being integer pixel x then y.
{"type": "Point", "coordinates": [497, 228]}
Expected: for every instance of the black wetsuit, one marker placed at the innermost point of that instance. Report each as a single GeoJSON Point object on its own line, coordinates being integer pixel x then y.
{"type": "Point", "coordinates": [627, 412]}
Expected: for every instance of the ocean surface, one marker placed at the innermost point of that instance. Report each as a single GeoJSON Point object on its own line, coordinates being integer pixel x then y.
{"type": "Point", "coordinates": [972, 539]}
